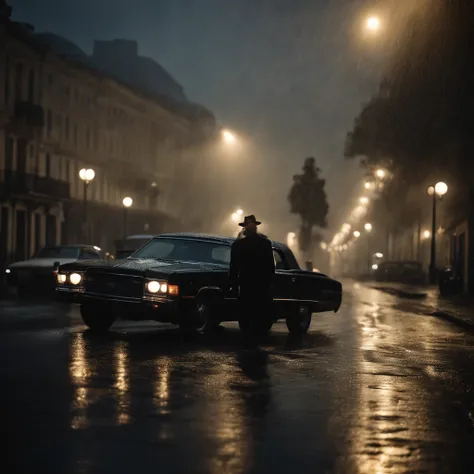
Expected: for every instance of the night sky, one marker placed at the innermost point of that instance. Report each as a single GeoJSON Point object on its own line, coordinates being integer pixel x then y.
{"type": "Point", "coordinates": [290, 75]}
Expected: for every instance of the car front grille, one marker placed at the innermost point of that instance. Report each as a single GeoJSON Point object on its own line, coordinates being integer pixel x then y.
{"type": "Point", "coordinates": [111, 284]}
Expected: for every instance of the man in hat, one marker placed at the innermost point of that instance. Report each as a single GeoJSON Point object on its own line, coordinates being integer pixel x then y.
{"type": "Point", "coordinates": [252, 268]}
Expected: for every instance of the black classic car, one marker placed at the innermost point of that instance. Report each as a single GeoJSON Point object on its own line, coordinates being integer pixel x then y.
{"type": "Point", "coordinates": [183, 279]}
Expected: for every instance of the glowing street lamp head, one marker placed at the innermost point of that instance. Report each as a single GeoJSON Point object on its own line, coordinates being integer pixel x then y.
{"type": "Point", "coordinates": [228, 136]}
{"type": "Point", "coordinates": [240, 212]}
{"type": "Point", "coordinates": [235, 217]}
{"type": "Point", "coordinates": [441, 188]}
{"type": "Point", "coordinates": [373, 23]}
{"type": "Point", "coordinates": [356, 234]}
{"type": "Point", "coordinates": [368, 185]}
{"type": "Point", "coordinates": [426, 234]}
{"type": "Point", "coordinates": [364, 200]}
{"type": "Point", "coordinates": [87, 174]}
{"type": "Point", "coordinates": [127, 201]}
{"type": "Point", "coordinates": [368, 227]}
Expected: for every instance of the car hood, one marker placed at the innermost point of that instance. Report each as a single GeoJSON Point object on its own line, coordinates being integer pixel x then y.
{"type": "Point", "coordinates": [135, 266]}
{"type": "Point", "coordinates": [40, 263]}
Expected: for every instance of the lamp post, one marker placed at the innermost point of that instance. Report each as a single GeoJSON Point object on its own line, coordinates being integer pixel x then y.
{"type": "Point", "coordinates": [86, 175]}
{"type": "Point", "coordinates": [127, 202]}
{"type": "Point", "coordinates": [436, 191]}
{"type": "Point", "coordinates": [368, 229]}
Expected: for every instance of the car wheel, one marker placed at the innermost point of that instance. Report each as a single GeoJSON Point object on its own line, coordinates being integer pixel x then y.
{"type": "Point", "coordinates": [97, 319]}
{"type": "Point", "coordinates": [202, 318]}
{"type": "Point", "coordinates": [299, 321]}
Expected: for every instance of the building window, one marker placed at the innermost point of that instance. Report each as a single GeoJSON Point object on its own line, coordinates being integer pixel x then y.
{"type": "Point", "coordinates": [31, 85]}
{"type": "Point", "coordinates": [68, 170]}
{"type": "Point", "coordinates": [66, 128]}
{"type": "Point", "coordinates": [9, 153]}
{"type": "Point", "coordinates": [49, 122]}
{"type": "Point", "coordinates": [18, 81]}
{"type": "Point", "coordinates": [7, 80]}
{"type": "Point", "coordinates": [48, 165]}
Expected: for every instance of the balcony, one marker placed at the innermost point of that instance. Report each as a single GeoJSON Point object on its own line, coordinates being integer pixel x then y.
{"type": "Point", "coordinates": [26, 118]}
{"type": "Point", "coordinates": [25, 184]}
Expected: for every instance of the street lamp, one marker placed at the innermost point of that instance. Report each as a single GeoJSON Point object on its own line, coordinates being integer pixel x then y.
{"type": "Point", "coordinates": [356, 234]}
{"type": "Point", "coordinates": [86, 175]}
{"type": "Point", "coordinates": [426, 234]}
{"type": "Point", "coordinates": [368, 229]}
{"type": "Point", "coordinates": [364, 200]}
{"type": "Point", "coordinates": [368, 185]}
{"type": "Point", "coordinates": [436, 191]}
{"type": "Point", "coordinates": [127, 202]}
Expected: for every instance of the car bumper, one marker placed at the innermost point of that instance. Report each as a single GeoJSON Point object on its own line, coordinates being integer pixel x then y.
{"type": "Point", "coordinates": [146, 308]}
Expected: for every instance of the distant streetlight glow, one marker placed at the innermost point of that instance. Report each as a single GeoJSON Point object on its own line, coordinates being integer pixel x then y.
{"type": "Point", "coordinates": [426, 234]}
{"type": "Point", "coordinates": [235, 217]}
{"type": "Point", "coordinates": [364, 200]}
{"type": "Point", "coordinates": [368, 185]}
{"type": "Point", "coordinates": [356, 234]}
{"type": "Point", "coordinates": [228, 137]}
{"type": "Point", "coordinates": [375, 266]}
{"type": "Point", "coordinates": [379, 255]}
{"type": "Point", "coordinates": [368, 227]}
{"type": "Point", "coordinates": [240, 212]}
{"type": "Point", "coordinates": [373, 23]}
{"type": "Point", "coordinates": [380, 173]}
{"type": "Point", "coordinates": [324, 245]}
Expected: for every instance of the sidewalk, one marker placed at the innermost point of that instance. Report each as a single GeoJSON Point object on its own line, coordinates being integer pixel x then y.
{"type": "Point", "coordinates": [459, 308]}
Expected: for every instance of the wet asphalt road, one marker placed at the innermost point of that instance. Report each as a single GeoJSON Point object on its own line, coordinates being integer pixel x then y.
{"type": "Point", "coordinates": [375, 388]}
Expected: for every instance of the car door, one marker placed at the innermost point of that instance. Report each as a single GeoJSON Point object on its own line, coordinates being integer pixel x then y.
{"type": "Point", "coordinates": [284, 282]}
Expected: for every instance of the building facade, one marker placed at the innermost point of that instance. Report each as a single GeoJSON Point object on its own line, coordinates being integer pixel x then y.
{"type": "Point", "coordinates": [58, 116]}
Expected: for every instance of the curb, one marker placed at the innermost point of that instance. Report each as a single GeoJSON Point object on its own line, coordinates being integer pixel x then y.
{"type": "Point", "coordinates": [453, 318]}
{"type": "Point", "coordinates": [401, 293]}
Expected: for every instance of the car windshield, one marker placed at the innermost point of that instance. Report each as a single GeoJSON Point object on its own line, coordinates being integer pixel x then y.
{"type": "Point", "coordinates": [185, 249]}
{"type": "Point", "coordinates": [58, 252]}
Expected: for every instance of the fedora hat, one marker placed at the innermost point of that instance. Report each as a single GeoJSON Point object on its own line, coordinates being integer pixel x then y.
{"type": "Point", "coordinates": [248, 220]}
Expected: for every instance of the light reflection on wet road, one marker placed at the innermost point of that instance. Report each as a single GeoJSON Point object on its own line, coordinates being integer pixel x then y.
{"type": "Point", "coordinates": [371, 389]}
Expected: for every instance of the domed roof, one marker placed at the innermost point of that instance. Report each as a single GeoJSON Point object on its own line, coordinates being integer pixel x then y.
{"type": "Point", "coordinates": [61, 46]}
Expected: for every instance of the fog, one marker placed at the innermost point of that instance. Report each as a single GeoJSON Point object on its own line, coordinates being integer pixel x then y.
{"type": "Point", "coordinates": [288, 77]}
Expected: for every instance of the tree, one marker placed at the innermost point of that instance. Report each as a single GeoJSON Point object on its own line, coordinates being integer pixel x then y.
{"type": "Point", "coordinates": [308, 199]}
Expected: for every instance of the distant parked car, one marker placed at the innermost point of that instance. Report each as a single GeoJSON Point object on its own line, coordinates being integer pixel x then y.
{"type": "Point", "coordinates": [125, 247]}
{"type": "Point", "coordinates": [38, 273]}
{"type": "Point", "coordinates": [410, 272]}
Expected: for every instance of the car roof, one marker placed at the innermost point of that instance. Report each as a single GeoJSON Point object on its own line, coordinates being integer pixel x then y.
{"type": "Point", "coordinates": [140, 236]}
{"type": "Point", "coordinates": [209, 238]}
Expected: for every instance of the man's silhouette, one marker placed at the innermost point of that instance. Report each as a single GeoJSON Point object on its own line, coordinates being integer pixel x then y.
{"type": "Point", "coordinates": [252, 268]}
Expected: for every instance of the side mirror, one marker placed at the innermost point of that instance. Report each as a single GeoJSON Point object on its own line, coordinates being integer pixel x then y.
{"type": "Point", "coordinates": [55, 268]}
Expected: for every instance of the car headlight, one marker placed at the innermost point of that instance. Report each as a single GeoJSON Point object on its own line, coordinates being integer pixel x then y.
{"type": "Point", "coordinates": [61, 278]}
{"type": "Point", "coordinates": [75, 278]}
{"type": "Point", "coordinates": [162, 287]}
{"type": "Point", "coordinates": [8, 270]}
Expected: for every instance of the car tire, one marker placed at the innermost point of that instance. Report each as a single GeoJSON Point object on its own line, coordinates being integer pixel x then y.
{"type": "Point", "coordinates": [298, 323]}
{"type": "Point", "coordinates": [95, 319]}
{"type": "Point", "coordinates": [202, 321]}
